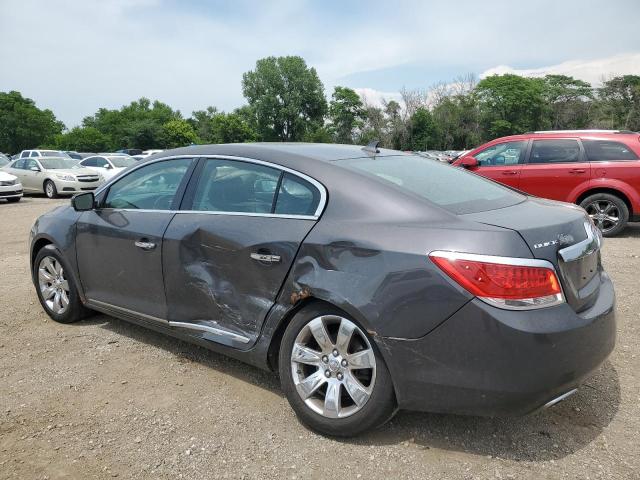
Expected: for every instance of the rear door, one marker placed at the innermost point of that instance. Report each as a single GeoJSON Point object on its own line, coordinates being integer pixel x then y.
{"type": "Point", "coordinates": [502, 162]}
{"type": "Point", "coordinates": [228, 250]}
{"type": "Point", "coordinates": [612, 160]}
{"type": "Point", "coordinates": [555, 169]}
{"type": "Point", "coordinates": [32, 180]}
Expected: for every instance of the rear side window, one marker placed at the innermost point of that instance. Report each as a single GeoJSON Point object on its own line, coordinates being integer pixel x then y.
{"type": "Point", "coordinates": [235, 187]}
{"type": "Point", "coordinates": [555, 151]}
{"type": "Point", "coordinates": [451, 188]}
{"type": "Point", "coordinates": [296, 196]}
{"type": "Point", "coordinates": [152, 187]}
{"type": "Point", "coordinates": [606, 150]}
{"type": "Point", "coordinates": [90, 162]}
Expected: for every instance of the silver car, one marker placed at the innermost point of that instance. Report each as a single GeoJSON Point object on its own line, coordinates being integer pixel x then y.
{"type": "Point", "coordinates": [54, 176]}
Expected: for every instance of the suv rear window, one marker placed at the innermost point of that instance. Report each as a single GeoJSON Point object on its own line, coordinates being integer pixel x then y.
{"type": "Point", "coordinates": [451, 188]}
{"type": "Point", "coordinates": [603, 150]}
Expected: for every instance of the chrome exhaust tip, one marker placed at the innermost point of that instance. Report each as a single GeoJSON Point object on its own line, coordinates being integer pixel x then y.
{"type": "Point", "coordinates": [562, 397]}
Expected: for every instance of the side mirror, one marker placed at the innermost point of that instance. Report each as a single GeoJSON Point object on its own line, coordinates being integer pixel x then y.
{"type": "Point", "coordinates": [83, 202]}
{"type": "Point", "coordinates": [469, 162]}
{"type": "Point", "coordinates": [34, 169]}
{"type": "Point", "coordinates": [106, 166]}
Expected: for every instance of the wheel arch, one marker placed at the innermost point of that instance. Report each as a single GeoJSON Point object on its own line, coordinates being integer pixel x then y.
{"type": "Point", "coordinates": [38, 245]}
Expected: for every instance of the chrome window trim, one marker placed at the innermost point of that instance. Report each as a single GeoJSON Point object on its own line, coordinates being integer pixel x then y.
{"type": "Point", "coordinates": [106, 305]}
{"type": "Point", "coordinates": [584, 248]}
{"type": "Point", "coordinates": [321, 188]}
{"type": "Point", "coordinates": [205, 212]}
{"type": "Point", "coordinates": [517, 261]}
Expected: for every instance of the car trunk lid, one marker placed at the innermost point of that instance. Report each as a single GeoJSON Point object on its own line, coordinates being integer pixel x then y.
{"type": "Point", "coordinates": [561, 234]}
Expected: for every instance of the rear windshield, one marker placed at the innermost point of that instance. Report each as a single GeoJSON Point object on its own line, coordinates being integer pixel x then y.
{"type": "Point", "coordinates": [54, 154]}
{"type": "Point", "coordinates": [451, 188]}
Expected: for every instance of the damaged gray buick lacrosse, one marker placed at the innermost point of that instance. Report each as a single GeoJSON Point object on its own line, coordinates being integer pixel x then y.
{"type": "Point", "coordinates": [371, 280]}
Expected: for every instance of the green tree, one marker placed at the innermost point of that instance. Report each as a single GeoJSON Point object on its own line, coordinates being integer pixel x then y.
{"type": "Point", "coordinates": [231, 128]}
{"type": "Point", "coordinates": [511, 104]}
{"type": "Point", "coordinates": [137, 125]}
{"type": "Point", "coordinates": [346, 114]}
{"type": "Point", "coordinates": [23, 125]}
{"type": "Point", "coordinates": [202, 123]}
{"type": "Point", "coordinates": [423, 130]}
{"type": "Point", "coordinates": [568, 101]}
{"type": "Point", "coordinates": [83, 139]}
{"type": "Point", "coordinates": [619, 103]}
{"type": "Point", "coordinates": [176, 133]}
{"type": "Point", "coordinates": [286, 96]}
{"type": "Point", "coordinates": [374, 127]}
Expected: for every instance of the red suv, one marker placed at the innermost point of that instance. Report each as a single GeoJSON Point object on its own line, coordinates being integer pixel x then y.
{"type": "Point", "coordinates": [597, 169]}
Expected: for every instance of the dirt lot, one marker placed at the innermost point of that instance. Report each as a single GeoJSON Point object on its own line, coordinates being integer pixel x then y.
{"type": "Point", "coordinates": [103, 399]}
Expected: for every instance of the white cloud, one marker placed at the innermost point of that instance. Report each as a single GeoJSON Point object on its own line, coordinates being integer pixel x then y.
{"type": "Point", "coordinates": [592, 71]}
{"type": "Point", "coordinates": [376, 98]}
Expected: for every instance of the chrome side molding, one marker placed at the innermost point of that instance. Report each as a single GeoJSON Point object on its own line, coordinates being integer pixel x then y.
{"type": "Point", "coordinates": [215, 330]}
{"type": "Point", "coordinates": [584, 248]}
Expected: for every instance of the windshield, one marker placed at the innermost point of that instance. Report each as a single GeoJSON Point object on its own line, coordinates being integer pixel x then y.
{"type": "Point", "coordinates": [122, 162]}
{"type": "Point", "coordinates": [451, 188]}
{"type": "Point", "coordinates": [54, 154]}
{"type": "Point", "coordinates": [58, 163]}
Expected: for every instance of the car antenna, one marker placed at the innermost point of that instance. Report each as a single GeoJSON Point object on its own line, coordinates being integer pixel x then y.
{"type": "Point", "coordinates": [372, 147]}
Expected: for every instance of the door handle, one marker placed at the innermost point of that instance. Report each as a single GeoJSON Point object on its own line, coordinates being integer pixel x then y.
{"type": "Point", "coordinates": [145, 244]}
{"type": "Point", "coordinates": [577, 170]}
{"type": "Point", "coordinates": [510, 172]}
{"type": "Point", "coordinates": [265, 257]}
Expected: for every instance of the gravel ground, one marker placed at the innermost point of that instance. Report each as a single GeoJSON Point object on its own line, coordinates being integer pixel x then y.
{"type": "Point", "coordinates": [103, 399]}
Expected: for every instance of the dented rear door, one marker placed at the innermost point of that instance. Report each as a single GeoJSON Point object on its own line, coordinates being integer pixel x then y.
{"type": "Point", "coordinates": [223, 268]}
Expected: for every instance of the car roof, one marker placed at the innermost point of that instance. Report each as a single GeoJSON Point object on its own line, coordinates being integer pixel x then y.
{"type": "Point", "coordinates": [608, 134]}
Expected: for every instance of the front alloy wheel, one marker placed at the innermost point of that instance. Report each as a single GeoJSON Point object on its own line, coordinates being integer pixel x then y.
{"type": "Point", "coordinates": [332, 373]}
{"type": "Point", "coordinates": [54, 287]}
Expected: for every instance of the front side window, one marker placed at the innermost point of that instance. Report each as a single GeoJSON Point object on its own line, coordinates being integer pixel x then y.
{"type": "Point", "coordinates": [296, 196]}
{"type": "Point", "coordinates": [454, 189]}
{"type": "Point", "coordinates": [152, 187]}
{"type": "Point", "coordinates": [555, 151]}
{"type": "Point", "coordinates": [502, 154]}
{"type": "Point", "coordinates": [606, 150]}
{"type": "Point", "coordinates": [235, 187]}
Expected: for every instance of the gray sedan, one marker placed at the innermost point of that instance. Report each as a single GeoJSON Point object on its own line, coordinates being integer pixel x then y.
{"type": "Point", "coordinates": [371, 280]}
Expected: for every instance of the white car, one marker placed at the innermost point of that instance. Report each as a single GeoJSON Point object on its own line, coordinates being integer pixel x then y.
{"type": "Point", "coordinates": [43, 153]}
{"type": "Point", "coordinates": [147, 153]}
{"type": "Point", "coordinates": [10, 187]}
{"type": "Point", "coordinates": [53, 176]}
{"type": "Point", "coordinates": [108, 165]}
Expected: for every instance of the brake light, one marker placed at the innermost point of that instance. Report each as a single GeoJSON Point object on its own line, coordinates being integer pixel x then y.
{"type": "Point", "coordinates": [513, 283]}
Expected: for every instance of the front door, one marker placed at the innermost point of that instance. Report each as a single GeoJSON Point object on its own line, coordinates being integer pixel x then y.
{"type": "Point", "coordinates": [502, 162]}
{"type": "Point", "coordinates": [119, 244]}
{"type": "Point", "coordinates": [227, 254]}
{"type": "Point", "coordinates": [555, 169]}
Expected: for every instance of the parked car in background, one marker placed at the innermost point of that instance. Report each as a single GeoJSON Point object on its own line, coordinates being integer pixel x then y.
{"type": "Point", "coordinates": [53, 176]}
{"type": "Point", "coordinates": [371, 280]}
{"type": "Point", "coordinates": [596, 169]}
{"type": "Point", "coordinates": [10, 187]}
{"type": "Point", "coordinates": [74, 155]}
{"type": "Point", "coordinates": [4, 160]}
{"type": "Point", "coordinates": [108, 165]}
{"type": "Point", "coordinates": [43, 153]}
{"type": "Point", "coordinates": [146, 153]}
{"type": "Point", "coordinates": [130, 151]}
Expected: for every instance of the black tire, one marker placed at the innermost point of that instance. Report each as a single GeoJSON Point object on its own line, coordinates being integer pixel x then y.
{"type": "Point", "coordinates": [591, 203]}
{"type": "Point", "coordinates": [378, 409]}
{"type": "Point", "coordinates": [14, 199]}
{"type": "Point", "coordinates": [75, 310]}
{"type": "Point", "coordinates": [50, 189]}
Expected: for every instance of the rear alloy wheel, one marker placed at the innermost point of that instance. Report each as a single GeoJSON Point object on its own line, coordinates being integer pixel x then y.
{"type": "Point", "coordinates": [333, 377]}
{"type": "Point", "coordinates": [56, 290]}
{"type": "Point", "coordinates": [50, 189]}
{"type": "Point", "coordinates": [609, 212]}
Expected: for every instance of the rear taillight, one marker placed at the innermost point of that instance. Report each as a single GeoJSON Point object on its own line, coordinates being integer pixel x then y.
{"type": "Point", "coordinates": [513, 283]}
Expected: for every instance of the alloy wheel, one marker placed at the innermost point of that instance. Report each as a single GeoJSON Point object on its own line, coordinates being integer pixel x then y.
{"type": "Point", "coordinates": [54, 287]}
{"type": "Point", "coordinates": [333, 366]}
{"type": "Point", "coordinates": [49, 189]}
{"type": "Point", "coordinates": [604, 213]}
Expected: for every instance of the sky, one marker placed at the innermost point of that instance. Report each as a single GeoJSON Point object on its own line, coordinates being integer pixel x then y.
{"type": "Point", "coordinates": [75, 56]}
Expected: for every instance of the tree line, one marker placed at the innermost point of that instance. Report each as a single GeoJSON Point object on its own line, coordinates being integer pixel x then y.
{"type": "Point", "coordinates": [286, 102]}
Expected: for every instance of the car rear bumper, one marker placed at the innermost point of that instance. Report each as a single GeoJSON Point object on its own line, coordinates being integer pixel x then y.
{"type": "Point", "coordinates": [492, 362]}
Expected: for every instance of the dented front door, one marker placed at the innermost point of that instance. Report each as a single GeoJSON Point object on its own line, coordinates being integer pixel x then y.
{"type": "Point", "coordinates": [223, 271]}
